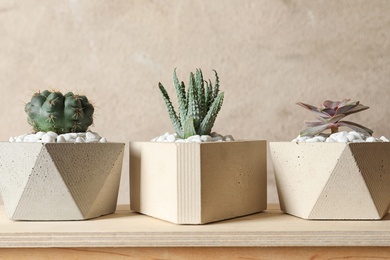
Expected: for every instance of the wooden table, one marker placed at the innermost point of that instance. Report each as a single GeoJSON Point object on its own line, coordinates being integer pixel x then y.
{"type": "Point", "coordinates": [128, 235]}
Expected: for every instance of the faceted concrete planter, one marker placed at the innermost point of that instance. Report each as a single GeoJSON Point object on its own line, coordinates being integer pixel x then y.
{"type": "Point", "coordinates": [196, 183]}
{"type": "Point", "coordinates": [333, 180]}
{"type": "Point", "coordinates": [60, 181]}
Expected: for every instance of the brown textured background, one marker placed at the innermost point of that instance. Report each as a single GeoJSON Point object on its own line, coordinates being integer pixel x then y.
{"type": "Point", "coordinates": [269, 55]}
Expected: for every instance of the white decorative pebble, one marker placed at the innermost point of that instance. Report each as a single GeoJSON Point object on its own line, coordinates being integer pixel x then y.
{"type": "Point", "coordinates": [79, 140]}
{"type": "Point", "coordinates": [73, 135]}
{"type": "Point", "coordinates": [214, 134]}
{"type": "Point", "coordinates": [61, 139]}
{"type": "Point", "coordinates": [303, 138]}
{"type": "Point", "coordinates": [355, 134]}
{"type": "Point", "coordinates": [350, 137]}
{"type": "Point", "coordinates": [40, 134]}
{"type": "Point", "coordinates": [217, 139]}
{"type": "Point", "coordinates": [19, 139]}
{"type": "Point", "coordinates": [330, 140]}
{"type": "Point", "coordinates": [67, 137]}
{"type": "Point", "coordinates": [206, 138]}
{"type": "Point", "coordinates": [92, 136]}
{"type": "Point", "coordinates": [31, 138]}
{"type": "Point", "coordinates": [161, 138]}
{"type": "Point", "coordinates": [52, 137]}
{"type": "Point", "coordinates": [48, 139]}
{"type": "Point", "coordinates": [342, 137]}
{"type": "Point", "coordinates": [213, 137]}
{"type": "Point", "coordinates": [170, 138]}
{"type": "Point", "coordinates": [194, 139]}
{"type": "Point", "coordinates": [52, 134]}
{"type": "Point", "coordinates": [228, 138]}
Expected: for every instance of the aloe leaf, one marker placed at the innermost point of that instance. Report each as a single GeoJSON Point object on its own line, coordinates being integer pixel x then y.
{"type": "Point", "coordinates": [208, 122]}
{"type": "Point", "coordinates": [171, 111]}
{"type": "Point", "coordinates": [193, 102]}
{"type": "Point", "coordinates": [181, 97]}
{"type": "Point", "coordinates": [188, 128]}
{"type": "Point", "coordinates": [211, 100]}
{"type": "Point", "coordinates": [208, 97]}
{"type": "Point", "coordinates": [216, 85]}
{"type": "Point", "coordinates": [201, 93]}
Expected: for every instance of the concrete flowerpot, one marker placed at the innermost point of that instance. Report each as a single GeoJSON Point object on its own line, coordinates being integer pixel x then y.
{"type": "Point", "coordinates": [60, 181]}
{"type": "Point", "coordinates": [332, 180]}
{"type": "Point", "coordinates": [196, 183]}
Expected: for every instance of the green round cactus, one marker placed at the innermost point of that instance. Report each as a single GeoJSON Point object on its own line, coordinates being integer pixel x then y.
{"type": "Point", "coordinates": [52, 111]}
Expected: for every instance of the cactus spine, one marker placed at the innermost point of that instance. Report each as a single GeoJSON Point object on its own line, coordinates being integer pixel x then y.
{"type": "Point", "coordinates": [198, 107]}
{"type": "Point", "coordinates": [53, 111]}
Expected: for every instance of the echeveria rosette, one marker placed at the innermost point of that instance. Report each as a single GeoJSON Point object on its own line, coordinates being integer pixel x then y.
{"type": "Point", "coordinates": [330, 114]}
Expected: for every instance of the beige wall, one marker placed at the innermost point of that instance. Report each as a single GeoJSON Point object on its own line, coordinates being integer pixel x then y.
{"type": "Point", "coordinates": [269, 55]}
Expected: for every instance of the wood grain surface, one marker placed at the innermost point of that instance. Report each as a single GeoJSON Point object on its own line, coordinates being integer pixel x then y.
{"type": "Point", "coordinates": [274, 253]}
{"type": "Point", "coordinates": [271, 228]}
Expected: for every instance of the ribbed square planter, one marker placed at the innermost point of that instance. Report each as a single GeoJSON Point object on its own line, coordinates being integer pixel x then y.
{"type": "Point", "coordinates": [196, 183]}
{"type": "Point", "coordinates": [333, 180]}
{"type": "Point", "coordinates": [60, 181]}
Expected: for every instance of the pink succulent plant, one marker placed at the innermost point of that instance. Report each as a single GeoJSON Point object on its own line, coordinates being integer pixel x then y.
{"type": "Point", "coordinates": [330, 114]}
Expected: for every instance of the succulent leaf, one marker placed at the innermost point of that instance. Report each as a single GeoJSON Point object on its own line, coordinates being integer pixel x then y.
{"type": "Point", "coordinates": [193, 102]}
{"type": "Point", "coordinates": [208, 96]}
{"type": "Point", "coordinates": [188, 128]}
{"type": "Point", "coordinates": [171, 111]}
{"type": "Point", "coordinates": [208, 122]}
{"type": "Point", "coordinates": [181, 97]}
{"type": "Point", "coordinates": [201, 92]}
{"type": "Point", "coordinates": [313, 109]}
{"type": "Point", "coordinates": [335, 119]}
{"type": "Point", "coordinates": [351, 109]}
{"type": "Point", "coordinates": [216, 85]}
{"type": "Point", "coordinates": [315, 130]}
{"type": "Point", "coordinates": [313, 123]}
{"type": "Point", "coordinates": [356, 127]}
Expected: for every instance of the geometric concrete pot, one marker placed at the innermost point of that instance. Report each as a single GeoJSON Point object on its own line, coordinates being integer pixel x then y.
{"type": "Point", "coordinates": [332, 180]}
{"type": "Point", "coordinates": [196, 183]}
{"type": "Point", "coordinates": [59, 181]}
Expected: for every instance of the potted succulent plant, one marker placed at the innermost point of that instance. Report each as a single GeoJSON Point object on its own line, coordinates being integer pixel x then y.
{"type": "Point", "coordinates": [334, 175]}
{"type": "Point", "coordinates": [186, 178]}
{"type": "Point", "coordinates": [61, 171]}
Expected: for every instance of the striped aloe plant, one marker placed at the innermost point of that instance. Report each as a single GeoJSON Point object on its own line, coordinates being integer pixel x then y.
{"type": "Point", "coordinates": [198, 106]}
